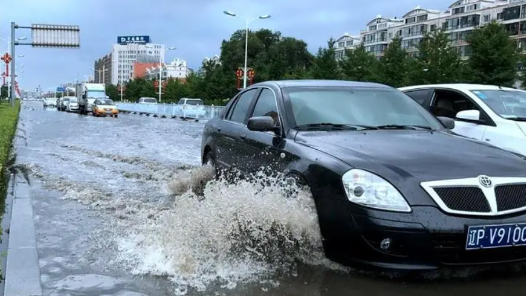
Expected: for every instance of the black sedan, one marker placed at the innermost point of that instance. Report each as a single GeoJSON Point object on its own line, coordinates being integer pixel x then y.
{"type": "Point", "coordinates": [394, 188]}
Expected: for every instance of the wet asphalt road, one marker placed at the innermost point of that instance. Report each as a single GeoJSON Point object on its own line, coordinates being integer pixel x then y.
{"type": "Point", "coordinates": [97, 182]}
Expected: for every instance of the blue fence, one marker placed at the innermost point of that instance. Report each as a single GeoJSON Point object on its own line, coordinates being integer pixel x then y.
{"type": "Point", "coordinates": [172, 110]}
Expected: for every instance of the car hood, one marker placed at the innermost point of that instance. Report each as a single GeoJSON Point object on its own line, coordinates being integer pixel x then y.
{"type": "Point", "coordinates": [416, 155]}
{"type": "Point", "coordinates": [522, 126]}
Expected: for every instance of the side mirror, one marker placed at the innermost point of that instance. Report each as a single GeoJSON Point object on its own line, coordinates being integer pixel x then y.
{"type": "Point", "coordinates": [470, 115]}
{"type": "Point", "coordinates": [262, 124]}
{"type": "Point", "coordinates": [447, 122]}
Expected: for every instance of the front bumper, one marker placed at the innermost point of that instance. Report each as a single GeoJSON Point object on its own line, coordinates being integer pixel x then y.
{"type": "Point", "coordinates": [425, 239]}
{"type": "Point", "coordinates": [108, 113]}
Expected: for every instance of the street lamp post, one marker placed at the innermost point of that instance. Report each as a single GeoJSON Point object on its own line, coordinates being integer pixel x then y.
{"type": "Point", "coordinates": [161, 68]}
{"type": "Point", "coordinates": [12, 79]}
{"type": "Point", "coordinates": [247, 22]}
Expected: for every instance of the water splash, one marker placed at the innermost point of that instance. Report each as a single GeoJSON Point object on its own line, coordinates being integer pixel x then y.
{"type": "Point", "coordinates": [207, 232]}
{"type": "Point", "coordinates": [231, 233]}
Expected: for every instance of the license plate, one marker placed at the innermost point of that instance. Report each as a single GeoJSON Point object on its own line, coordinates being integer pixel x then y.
{"type": "Point", "coordinates": [496, 236]}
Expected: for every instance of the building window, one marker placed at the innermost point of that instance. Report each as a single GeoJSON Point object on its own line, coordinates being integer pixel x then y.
{"type": "Point", "coordinates": [458, 10]}
{"type": "Point", "coordinates": [487, 18]}
{"type": "Point", "coordinates": [422, 18]}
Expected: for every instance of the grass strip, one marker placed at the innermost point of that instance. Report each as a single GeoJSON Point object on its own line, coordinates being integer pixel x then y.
{"type": "Point", "coordinates": [8, 123]}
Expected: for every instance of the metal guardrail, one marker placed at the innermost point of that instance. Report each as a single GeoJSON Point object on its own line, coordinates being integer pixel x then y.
{"type": "Point", "coordinates": [172, 110]}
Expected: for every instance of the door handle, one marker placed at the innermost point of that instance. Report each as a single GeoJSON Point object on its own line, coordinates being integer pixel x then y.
{"type": "Point", "coordinates": [243, 136]}
{"type": "Point", "coordinates": [219, 129]}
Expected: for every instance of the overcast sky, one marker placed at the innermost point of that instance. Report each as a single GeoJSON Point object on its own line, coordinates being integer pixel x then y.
{"type": "Point", "coordinates": [195, 27]}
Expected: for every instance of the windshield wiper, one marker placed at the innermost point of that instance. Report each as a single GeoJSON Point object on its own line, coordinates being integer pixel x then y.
{"type": "Point", "coordinates": [400, 127]}
{"type": "Point", "coordinates": [334, 126]}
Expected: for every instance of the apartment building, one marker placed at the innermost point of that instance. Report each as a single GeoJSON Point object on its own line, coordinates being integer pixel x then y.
{"type": "Point", "coordinates": [118, 66]}
{"type": "Point", "coordinates": [175, 69]}
{"type": "Point", "coordinates": [458, 21]}
{"type": "Point", "coordinates": [102, 70]}
{"type": "Point", "coordinates": [346, 42]}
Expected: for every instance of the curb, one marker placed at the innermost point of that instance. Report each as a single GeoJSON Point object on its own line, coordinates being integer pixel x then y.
{"type": "Point", "coordinates": [22, 275]}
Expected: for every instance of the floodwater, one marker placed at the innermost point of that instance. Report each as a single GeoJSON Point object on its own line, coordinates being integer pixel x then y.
{"type": "Point", "coordinates": [116, 214]}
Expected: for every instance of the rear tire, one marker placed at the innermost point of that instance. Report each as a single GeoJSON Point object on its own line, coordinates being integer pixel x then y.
{"type": "Point", "coordinates": [210, 159]}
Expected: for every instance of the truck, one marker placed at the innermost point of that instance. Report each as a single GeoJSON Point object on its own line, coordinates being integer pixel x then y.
{"type": "Point", "coordinates": [87, 93]}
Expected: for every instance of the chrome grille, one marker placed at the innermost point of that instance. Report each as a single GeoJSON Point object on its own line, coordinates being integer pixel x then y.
{"type": "Point", "coordinates": [510, 197]}
{"type": "Point", "coordinates": [469, 199]}
{"type": "Point", "coordinates": [483, 195]}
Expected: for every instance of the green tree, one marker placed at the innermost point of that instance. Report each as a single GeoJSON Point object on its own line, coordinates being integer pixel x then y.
{"type": "Point", "coordinates": [437, 61]}
{"type": "Point", "coordinates": [359, 65]}
{"type": "Point", "coordinates": [325, 65]}
{"type": "Point", "coordinates": [139, 87]}
{"type": "Point", "coordinates": [393, 65]}
{"type": "Point", "coordinates": [271, 55]}
{"type": "Point", "coordinates": [494, 55]}
{"type": "Point", "coordinates": [112, 92]}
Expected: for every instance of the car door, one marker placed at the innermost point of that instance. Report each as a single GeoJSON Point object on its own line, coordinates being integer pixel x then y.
{"type": "Point", "coordinates": [264, 149]}
{"type": "Point", "coordinates": [448, 102]}
{"type": "Point", "coordinates": [232, 130]}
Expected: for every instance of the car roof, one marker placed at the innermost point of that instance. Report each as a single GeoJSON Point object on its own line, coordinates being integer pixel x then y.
{"type": "Point", "coordinates": [458, 86]}
{"type": "Point", "coordinates": [319, 82]}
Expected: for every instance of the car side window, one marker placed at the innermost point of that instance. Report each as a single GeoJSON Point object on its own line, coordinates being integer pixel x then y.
{"type": "Point", "coordinates": [419, 95]}
{"type": "Point", "coordinates": [266, 105]}
{"type": "Point", "coordinates": [240, 109]}
{"type": "Point", "coordinates": [448, 103]}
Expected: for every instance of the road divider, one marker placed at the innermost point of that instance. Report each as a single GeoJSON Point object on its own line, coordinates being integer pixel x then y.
{"type": "Point", "coordinates": [197, 112]}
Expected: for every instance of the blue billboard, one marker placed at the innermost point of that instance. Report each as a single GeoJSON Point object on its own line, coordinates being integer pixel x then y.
{"type": "Point", "coordinates": [133, 39]}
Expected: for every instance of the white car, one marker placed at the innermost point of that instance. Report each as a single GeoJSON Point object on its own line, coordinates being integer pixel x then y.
{"type": "Point", "coordinates": [489, 113]}
{"type": "Point", "coordinates": [147, 100]}
{"type": "Point", "coordinates": [49, 102]}
{"type": "Point", "coordinates": [190, 108]}
{"type": "Point", "coordinates": [72, 104]}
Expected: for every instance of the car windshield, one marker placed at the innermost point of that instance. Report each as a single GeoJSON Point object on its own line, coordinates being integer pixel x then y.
{"type": "Point", "coordinates": [72, 100]}
{"type": "Point", "coordinates": [505, 103]}
{"type": "Point", "coordinates": [149, 100]}
{"type": "Point", "coordinates": [194, 102]}
{"type": "Point", "coordinates": [105, 102]}
{"type": "Point", "coordinates": [369, 107]}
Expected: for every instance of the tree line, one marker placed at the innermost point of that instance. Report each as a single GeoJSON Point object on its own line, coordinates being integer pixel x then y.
{"type": "Point", "coordinates": [493, 59]}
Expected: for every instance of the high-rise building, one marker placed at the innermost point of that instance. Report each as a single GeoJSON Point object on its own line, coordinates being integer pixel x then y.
{"type": "Point", "coordinates": [102, 70]}
{"type": "Point", "coordinates": [117, 66]}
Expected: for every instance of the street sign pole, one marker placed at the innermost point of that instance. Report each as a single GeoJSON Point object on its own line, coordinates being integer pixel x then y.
{"type": "Point", "coordinates": [49, 36]}
{"type": "Point", "coordinates": [13, 72]}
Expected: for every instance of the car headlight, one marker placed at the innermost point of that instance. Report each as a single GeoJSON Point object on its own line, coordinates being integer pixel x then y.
{"type": "Point", "coordinates": [369, 190]}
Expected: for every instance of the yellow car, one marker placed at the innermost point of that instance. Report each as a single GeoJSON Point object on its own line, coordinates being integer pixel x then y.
{"type": "Point", "coordinates": [105, 107]}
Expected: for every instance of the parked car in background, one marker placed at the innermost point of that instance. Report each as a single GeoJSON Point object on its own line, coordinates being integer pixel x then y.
{"type": "Point", "coordinates": [489, 113]}
{"type": "Point", "coordinates": [393, 187]}
{"type": "Point", "coordinates": [190, 108]}
{"type": "Point", "coordinates": [105, 107]}
{"type": "Point", "coordinates": [73, 104]}
{"type": "Point", "coordinates": [147, 100]}
{"type": "Point", "coordinates": [63, 103]}
{"type": "Point", "coordinates": [49, 102]}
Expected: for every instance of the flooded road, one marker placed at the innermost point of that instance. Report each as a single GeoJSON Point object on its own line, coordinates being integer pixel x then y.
{"type": "Point", "coordinates": [115, 215]}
